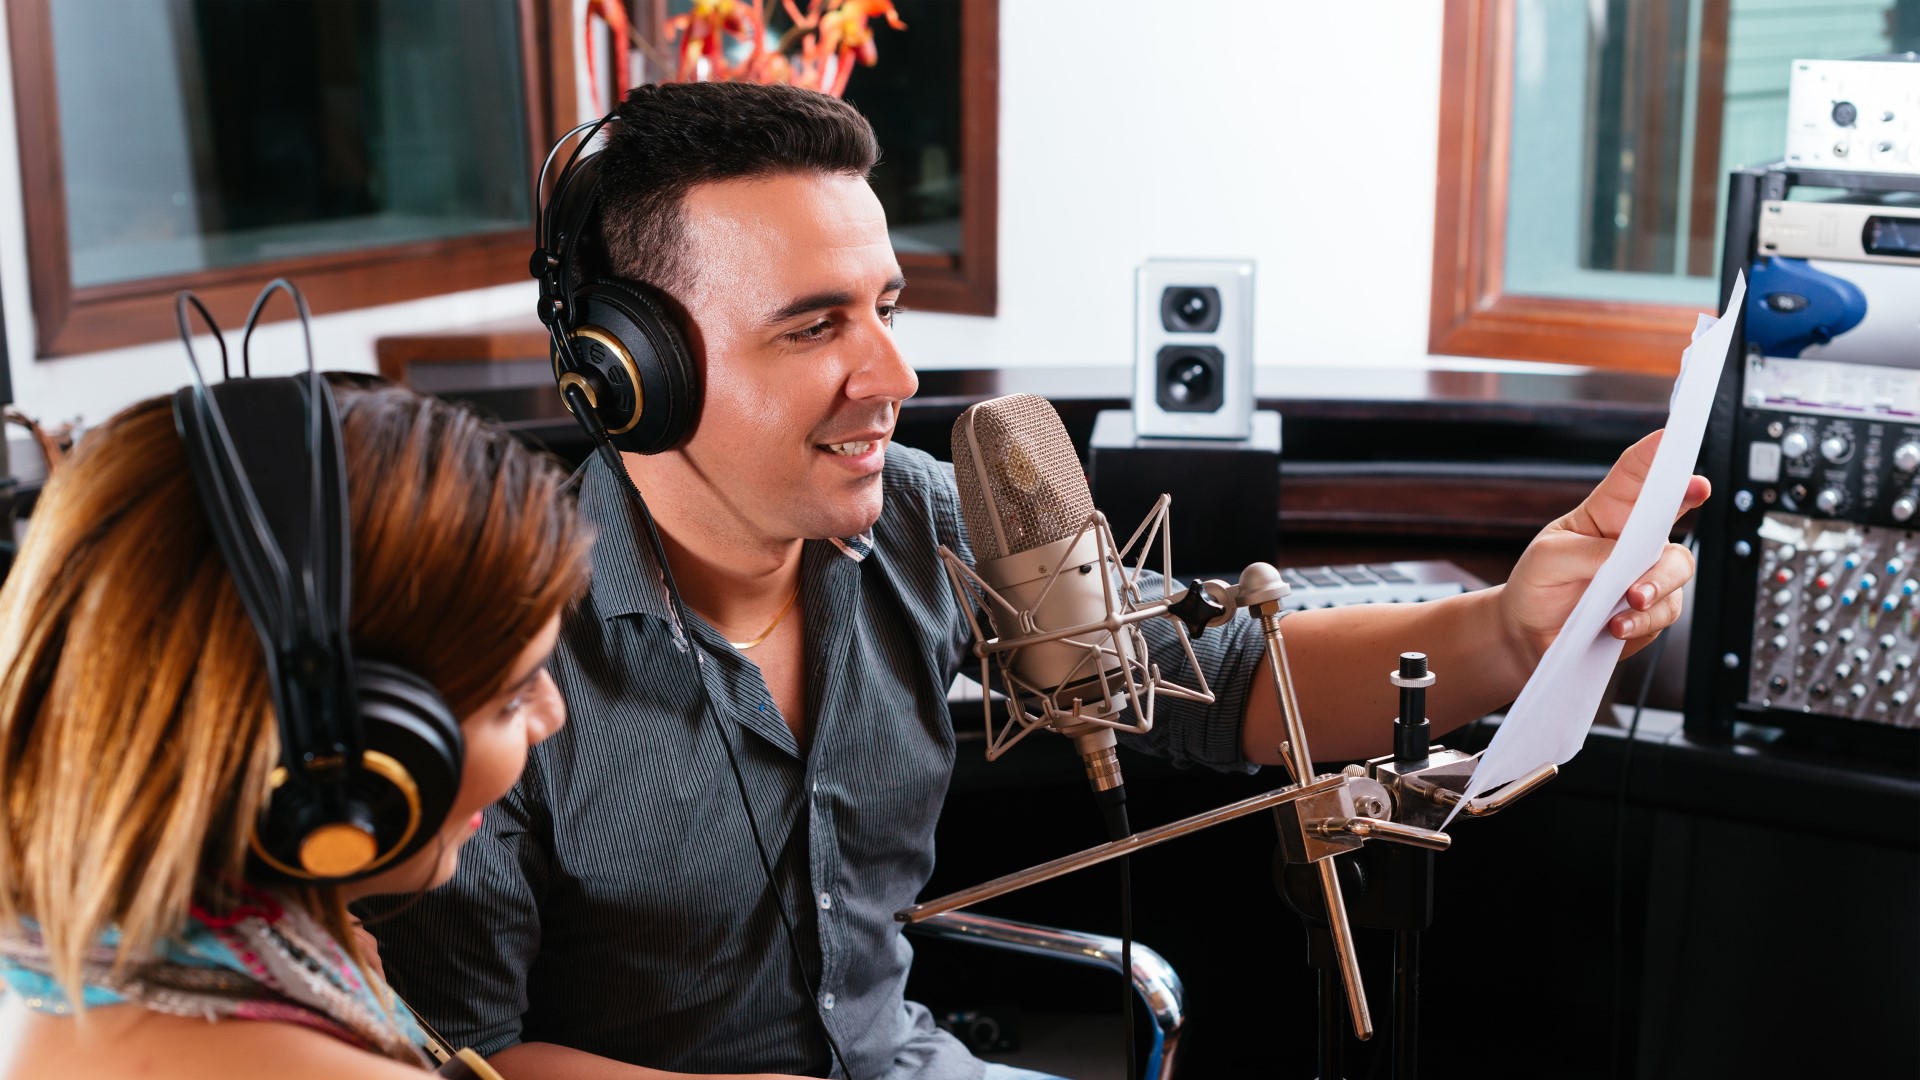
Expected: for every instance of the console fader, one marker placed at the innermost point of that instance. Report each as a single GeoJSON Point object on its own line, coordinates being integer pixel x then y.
{"type": "Point", "coordinates": [1836, 588]}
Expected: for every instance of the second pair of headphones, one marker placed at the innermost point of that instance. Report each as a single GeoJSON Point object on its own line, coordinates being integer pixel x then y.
{"type": "Point", "coordinates": [370, 754]}
{"type": "Point", "coordinates": [618, 349]}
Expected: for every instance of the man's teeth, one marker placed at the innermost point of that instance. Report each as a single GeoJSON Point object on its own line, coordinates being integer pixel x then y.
{"type": "Point", "coordinates": [850, 449]}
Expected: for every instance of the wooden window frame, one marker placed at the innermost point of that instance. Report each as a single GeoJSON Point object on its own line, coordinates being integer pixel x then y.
{"type": "Point", "coordinates": [69, 319]}
{"type": "Point", "coordinates": [1472, 314]}
{"type": "Point", "coordinates": [966, 283]}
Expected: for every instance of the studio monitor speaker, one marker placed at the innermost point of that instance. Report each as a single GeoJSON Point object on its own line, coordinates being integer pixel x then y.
{"type": "Point", "coordinates": [1193, 349]}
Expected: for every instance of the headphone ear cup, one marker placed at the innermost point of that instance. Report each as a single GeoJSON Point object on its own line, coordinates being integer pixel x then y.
{"type": "Point", "coordinates": [628, 343]}
{"type": "Point", "coordinates": [414, 754]}
{"type": "Point", "coordinates": [404, 717]}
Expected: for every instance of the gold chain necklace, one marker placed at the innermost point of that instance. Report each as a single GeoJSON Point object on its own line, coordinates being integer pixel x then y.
{"type": "Point", "coordinates": [743, 646]}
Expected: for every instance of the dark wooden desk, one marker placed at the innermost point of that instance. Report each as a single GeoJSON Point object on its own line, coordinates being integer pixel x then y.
{"type": "Point", "coordinates": [1376, 463]}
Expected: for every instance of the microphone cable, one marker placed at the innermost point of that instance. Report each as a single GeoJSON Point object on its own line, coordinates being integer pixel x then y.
{"type": "Point", "coordinates": [590, 419]}
{"type": "Point", "coordinates": [1618, 902]}
{"type": "Point", "coordinates": [1126, 955]}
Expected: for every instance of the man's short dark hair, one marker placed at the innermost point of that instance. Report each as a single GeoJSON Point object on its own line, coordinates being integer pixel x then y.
{"type": "Point", "coordinates": [671, 136]}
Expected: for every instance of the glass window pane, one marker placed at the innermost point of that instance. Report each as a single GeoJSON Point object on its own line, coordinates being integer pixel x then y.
{"type": "Point", "coordinates": [1620, 150]}
{"type": "Point", "coordinates": [199, 134]}
{"type": "Point", "coordinates": [911, 96]}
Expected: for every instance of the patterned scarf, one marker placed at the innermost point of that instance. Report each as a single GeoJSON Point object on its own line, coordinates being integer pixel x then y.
{"type": "Point", "coordinates": [264, 960]}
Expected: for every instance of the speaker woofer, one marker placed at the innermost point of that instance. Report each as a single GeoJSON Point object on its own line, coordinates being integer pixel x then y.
{"type": "Point", "coordinates": [1191, 378]}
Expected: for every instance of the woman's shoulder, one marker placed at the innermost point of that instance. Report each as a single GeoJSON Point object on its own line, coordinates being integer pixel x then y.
{"type": "Point", "coordinates": [117, 1041]}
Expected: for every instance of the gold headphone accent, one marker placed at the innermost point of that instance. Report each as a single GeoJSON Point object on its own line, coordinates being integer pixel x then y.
{"type": "Point", "coordinates": [595, 333]}
{"type": "Point", "coordinates": [574, 379]}
{"type": "Point", "coordinates": [328, 842]}
{"type": "Point", "coordinates": [337, 849]}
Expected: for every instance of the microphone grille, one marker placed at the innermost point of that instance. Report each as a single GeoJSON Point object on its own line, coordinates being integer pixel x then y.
{"type": "Point", "coordinates": [1021, 486]}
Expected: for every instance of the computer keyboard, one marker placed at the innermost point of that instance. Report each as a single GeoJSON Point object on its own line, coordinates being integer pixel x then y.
{"type": "Point", "coordinates": [1329, 586]}
{"type": "Point", "coordinates": [1375, 583]}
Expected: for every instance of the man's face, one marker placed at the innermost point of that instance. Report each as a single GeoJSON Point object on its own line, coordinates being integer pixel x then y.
{"type": "Point", "coordinates": [794, 288]}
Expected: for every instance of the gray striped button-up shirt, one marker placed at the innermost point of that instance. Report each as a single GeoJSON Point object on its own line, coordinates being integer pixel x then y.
{"type": "Point", "coordinates": [614, 901]}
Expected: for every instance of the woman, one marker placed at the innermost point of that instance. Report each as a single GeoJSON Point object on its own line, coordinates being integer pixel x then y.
{"type": "Point", "coordinates": [137, 741]}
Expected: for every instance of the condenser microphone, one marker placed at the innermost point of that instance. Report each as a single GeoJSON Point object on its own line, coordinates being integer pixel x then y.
{"type": "Point", "coordinates": [1064, 614]}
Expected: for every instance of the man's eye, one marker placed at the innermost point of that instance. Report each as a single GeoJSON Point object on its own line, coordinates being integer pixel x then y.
{"type": "Point", "coordinates": [890, 312]}
{"type": "Point", "coordinates": [810, 333]}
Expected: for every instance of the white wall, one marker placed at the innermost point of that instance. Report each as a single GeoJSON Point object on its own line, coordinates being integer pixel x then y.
{"type": "Point", "coordinates": [1297, 133]}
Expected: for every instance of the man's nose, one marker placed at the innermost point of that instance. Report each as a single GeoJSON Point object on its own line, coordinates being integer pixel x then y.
{"type": "Point", "coordinates": [884, 373]}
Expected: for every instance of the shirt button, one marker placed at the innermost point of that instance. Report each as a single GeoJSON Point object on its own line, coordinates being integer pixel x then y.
{"type": "Point", "coordinates": [826, 1000]}
{"type": "Point", "coordinates": [826, 901]}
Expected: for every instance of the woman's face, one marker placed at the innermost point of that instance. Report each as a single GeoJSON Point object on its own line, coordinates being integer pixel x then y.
{"type": "Point", "coordinates": [497, 734]}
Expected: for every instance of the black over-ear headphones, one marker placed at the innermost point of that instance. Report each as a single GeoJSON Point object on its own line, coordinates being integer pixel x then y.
{"type": "Point", "coordinates": [618, 349]}
{"type": "Point", "coordinates": [370, 755]}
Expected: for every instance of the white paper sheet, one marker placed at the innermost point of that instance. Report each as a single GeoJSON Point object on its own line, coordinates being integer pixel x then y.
{"type": "Point", "coordinates": [1550, 719]}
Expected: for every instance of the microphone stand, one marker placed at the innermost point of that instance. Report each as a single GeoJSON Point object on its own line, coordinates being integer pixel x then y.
{"type": "Point", "coordinates": [1395, 883]}
{"type": "Point", "coordinates": [1401, 797]}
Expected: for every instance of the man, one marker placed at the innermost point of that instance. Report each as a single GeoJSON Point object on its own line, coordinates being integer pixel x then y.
{"type": "Point", "coordinates": [615, 917]}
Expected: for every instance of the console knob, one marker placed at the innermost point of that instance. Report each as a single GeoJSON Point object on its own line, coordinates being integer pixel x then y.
{"type": "Point", "coordinates": [1884, 677]}
{"type": "Point", "coordinates": [1842, 670]}
{"type": "Point", "coordinates": [1887, 641]}
{"type": "Point", "coordinates": [1821, 626]}
{"type": "Point", "coordinates": [1783, 596]}
{"type": "Point", "coordinates": [1835, 448]}
{"type": "Point", "coordinates": [1900, 697]}
{"type": "Point", "coordinates": [1778, 642]}
{"type": "Point", "coordinates": [1820, 648]}
{"type": "Point", "coordinates": [1861, 656]}
{"type": "Point", "coordinates": [1857, 690]}
{"type": "Point", "coordinates": [1795, 445]}
{"type": "Point", "coordinates": [1818, 690]}
{"type": "Point", "coordinates": [1906, 456]}
{"type": "Point", "coordinates": [1782, 621]}
{"type": "Point", "coordinates": [1904, 506]}
{"type": "Point", "coordinates": [1903, 661]}
{"type": "Point", "coordinates": [1828, 501]}
{"type": "Point", "coordinates": [1845, 635]}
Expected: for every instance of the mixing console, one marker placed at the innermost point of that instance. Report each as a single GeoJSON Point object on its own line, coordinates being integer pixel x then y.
{"type": "Point", "coordinates": [1837, 620]}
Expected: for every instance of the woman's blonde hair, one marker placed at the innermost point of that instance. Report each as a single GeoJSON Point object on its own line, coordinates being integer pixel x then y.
{"type": "Point", "coordinates": [136, 730]}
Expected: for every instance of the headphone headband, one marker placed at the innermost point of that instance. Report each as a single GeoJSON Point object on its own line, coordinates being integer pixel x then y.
{"type": "Point", "coordinates": [289, 558]}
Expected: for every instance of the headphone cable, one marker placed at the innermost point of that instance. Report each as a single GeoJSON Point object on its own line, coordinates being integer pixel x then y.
{"type": "Point", "coordinates": [590, 419]}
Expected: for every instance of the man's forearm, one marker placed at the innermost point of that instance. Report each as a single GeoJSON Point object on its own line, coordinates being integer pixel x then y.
{"type": "Point", "coordinates": [549, 1061]}
{"type": "Point", "coordinates": [1340, 658]}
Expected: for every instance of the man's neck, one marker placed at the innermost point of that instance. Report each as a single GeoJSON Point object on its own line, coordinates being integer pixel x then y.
{"type": "Point", "coordinates": [726, 570]}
